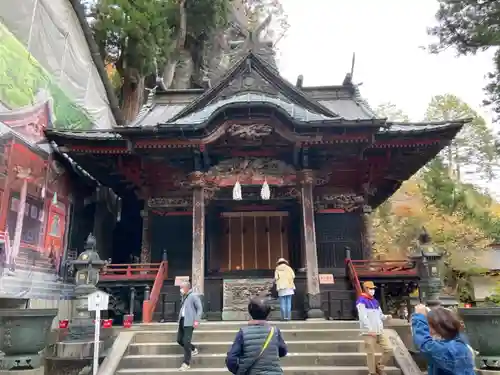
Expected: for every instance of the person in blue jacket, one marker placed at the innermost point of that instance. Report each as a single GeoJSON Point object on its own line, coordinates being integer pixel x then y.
{"type": "Point", "coordinates": [437, 335]}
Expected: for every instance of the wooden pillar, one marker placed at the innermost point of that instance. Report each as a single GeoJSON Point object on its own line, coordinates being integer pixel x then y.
{"type": "Point", "coordinates": [20, 218]}
{"type": "Point", "coordinates": [367, 240]}
{"type": "Point", "coordinates": [198, 265]}
{"type": "Point", "coordinates": [309, 233]}
{"type": "Point", "coordinates": [145, 245]}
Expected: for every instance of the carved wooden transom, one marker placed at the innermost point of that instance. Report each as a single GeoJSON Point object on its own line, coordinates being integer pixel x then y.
{"type": "Point", "coordinates": [251, 171]}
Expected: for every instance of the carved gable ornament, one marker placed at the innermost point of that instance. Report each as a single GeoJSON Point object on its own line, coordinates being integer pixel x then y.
{"type": "Point", "coordinates": [249, 132]}
{"type": "Point", "coordinates": [250, 81]}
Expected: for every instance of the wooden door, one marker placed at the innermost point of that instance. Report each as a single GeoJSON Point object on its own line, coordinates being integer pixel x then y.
{"type": "Point", "coordinates": [253, 240]}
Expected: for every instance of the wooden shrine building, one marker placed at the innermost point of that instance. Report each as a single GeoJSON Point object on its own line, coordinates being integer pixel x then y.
{"type": "Point", "coordinates": [194, 169]}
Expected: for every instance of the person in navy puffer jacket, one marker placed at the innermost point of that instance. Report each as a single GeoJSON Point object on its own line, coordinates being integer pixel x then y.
{"type": "Point", "coordinates": [437, 334]}
{"type": "Point", "coordinates": [257, 348]}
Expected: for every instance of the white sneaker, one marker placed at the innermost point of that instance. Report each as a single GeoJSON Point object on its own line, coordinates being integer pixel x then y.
{"type": "Point", "coordinates": [194, 352]}
{"type": "Point", "coordinates": [184, 367]}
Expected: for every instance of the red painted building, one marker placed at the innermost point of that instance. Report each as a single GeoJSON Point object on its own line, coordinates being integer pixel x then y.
{"type": "Point", "coordinates": [34, 201]}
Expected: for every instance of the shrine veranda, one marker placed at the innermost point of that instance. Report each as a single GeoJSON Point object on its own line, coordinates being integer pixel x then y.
{"type": "Point", "coordinates": [166, 188]}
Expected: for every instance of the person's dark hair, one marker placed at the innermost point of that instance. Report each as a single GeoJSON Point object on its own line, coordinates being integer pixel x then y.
{"type": "Point", "coordinates": [444, 322]}
{"type": "Point", "coordinates": [258, 309]}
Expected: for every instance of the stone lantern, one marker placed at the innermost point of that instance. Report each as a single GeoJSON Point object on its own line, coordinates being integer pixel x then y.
{"type": "Point", "coordinates": [428, 261]}
{"type": "Point", "coordinates": [87, 265]}
{"type": "Point", "coordinates": [76, 349]}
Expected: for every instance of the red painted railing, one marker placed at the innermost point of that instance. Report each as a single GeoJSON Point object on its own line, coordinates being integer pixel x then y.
{"type": "Point", "coordinates": [378, 268]}
{"type": "Point", "coordinates": [135, 271]}
{"type": "Point", "coordinates": [149, 306]}
{"type": "Point", "coordinates": [353, 276]}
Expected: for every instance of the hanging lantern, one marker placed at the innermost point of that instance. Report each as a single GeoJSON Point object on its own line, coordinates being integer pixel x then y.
{"type": "Point", "coordinates": [54, 199]}
{"type": "Point", "coordinates": [237, 192]}
{"type": "Point", "coordinates": [265, 192]}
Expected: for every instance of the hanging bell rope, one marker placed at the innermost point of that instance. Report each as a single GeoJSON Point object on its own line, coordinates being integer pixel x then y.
{"type": "Point", "coordinates": [265, 192]}
{"type": "Point", "coordinates": [237, 191]}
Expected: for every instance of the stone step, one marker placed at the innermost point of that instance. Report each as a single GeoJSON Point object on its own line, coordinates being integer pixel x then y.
{"type": "Point", "coordinates": [302, 370]}
{"type": "Point", "coordinates": [236, 325]}
{"type": "Point", "coordinates": [218, 360]}
{"type": "Point", "coordinates": [228, 335]}
{"type": "Point", "coordinates": [316, 346]}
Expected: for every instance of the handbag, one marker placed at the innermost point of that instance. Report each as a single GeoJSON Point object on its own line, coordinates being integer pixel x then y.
{"type": "Point", "coordinates": [264, 347]}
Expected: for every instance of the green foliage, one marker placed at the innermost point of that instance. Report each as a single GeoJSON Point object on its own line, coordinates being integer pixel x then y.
{"type": "Point", "coordinates": [391, 112]}
{"type": "Point", "coordinates": [474, 149]}
{"type": "Point", "coordinates": [470, 26]}
{"type": "Point", "coordinates": [140, 34]}
{"type": "Point", "coordinates": [133, 34]}
{"type": "Point", "coordinates": [495, 297]}
{"type": "Point", "coordinates": [22, 77]}
{"type": "Point", "coordinates": [453, 196]}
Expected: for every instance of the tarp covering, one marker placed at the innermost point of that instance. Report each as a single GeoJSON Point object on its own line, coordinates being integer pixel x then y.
{"type": "Point", "coordinates": [43, 48]}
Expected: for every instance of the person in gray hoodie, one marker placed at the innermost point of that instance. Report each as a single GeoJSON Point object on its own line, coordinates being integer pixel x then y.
{"type": "Point", "coordinates": [189, 319]}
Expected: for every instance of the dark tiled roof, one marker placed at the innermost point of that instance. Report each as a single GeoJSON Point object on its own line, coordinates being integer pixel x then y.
{"type": "Point", "coordinates": [252, 63]}
{"type": "Point", "coordinates": [348, 109]}
{"type": "Point", "coordinates": [88, 134]}
{"type": "Point", "coordinates": [295, 111]}
{"type": "Point", "coordinates": [416, 128]}
{"type": "Point", "coordinates": [159, 114]}
{"type": "Point", "coordinates": [119, 133]}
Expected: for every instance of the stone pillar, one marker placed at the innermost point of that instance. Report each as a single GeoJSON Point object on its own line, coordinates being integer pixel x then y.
{"type": "Point", "coordinates": [311, 258]}
{"type": "Point", "coordinates": [145, 246]}
{"type": "Point", "coordinates": [198, 266]}
{"type": "Point", "coordinates": [367, 240]}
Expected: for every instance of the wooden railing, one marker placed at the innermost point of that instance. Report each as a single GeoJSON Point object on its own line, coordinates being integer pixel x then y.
{"type": "Point", "coordinates": [384, 268]}
{"type": "Point", "coordinates": [353, 276]}
{"type": "Point", "coordinates": [135, 271]}
{"type": "Point", "coordinates": [149, 304]}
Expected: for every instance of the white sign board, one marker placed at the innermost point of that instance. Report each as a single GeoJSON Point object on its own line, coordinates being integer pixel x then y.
{"type": "Point", "coordinates": [97, 301]}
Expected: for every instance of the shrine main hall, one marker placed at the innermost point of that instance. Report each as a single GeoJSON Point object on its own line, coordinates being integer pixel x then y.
{"type": "Point", "coordinates": [219, 183]}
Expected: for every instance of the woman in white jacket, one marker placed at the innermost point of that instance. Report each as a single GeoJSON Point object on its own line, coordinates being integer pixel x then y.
{"type": "Point", "coordinates": [284, 278]}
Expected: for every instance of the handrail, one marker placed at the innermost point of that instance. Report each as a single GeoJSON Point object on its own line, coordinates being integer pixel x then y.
{"type": "Point", "coordinates": [353, 276]}
{"type": "Point", "coordinates": [149, 305]}
{"type": "Point", "coordinates": [384, 267]}
{"type": "Point", "coordinates": [132, 271]}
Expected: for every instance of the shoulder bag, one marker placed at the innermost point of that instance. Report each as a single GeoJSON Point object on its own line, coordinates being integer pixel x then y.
{"type": "Point", "coordinates": [262, 350]}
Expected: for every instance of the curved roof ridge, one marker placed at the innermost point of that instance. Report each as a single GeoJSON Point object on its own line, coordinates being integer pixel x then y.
{"type": "Point", "coordinates": [294, 111]}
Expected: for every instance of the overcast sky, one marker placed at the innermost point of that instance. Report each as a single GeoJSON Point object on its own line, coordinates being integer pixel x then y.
{"type": "Point", "coordinates": [387, 37]}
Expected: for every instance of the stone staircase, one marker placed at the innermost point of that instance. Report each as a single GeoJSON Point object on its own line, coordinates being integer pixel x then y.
{"type": "Point", "coordinates": [314, 347]}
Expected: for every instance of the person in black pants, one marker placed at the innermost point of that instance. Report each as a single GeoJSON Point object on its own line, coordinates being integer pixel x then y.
{"type": "Point", "coordinates": [189, 318]}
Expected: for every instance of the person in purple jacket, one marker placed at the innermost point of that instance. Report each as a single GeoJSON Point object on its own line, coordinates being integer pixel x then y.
{"type": "Point", "coordinates": [371, 320]}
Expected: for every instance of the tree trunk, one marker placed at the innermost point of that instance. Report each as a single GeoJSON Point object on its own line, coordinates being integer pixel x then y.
{"type": "Point", "coordinates": [132, 94]}
{"type": "Point", "coordinates": [173, 60]}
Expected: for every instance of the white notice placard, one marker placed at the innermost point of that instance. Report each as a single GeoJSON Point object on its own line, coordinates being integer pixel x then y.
{"type": "Point", "coordinates": [98, 301]}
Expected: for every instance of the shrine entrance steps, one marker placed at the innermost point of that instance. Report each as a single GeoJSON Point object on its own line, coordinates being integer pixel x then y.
{"type": "Point", "coordinates": [314, 347]}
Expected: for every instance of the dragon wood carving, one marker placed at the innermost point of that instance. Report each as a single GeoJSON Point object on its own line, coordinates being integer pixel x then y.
{"type": "Point", "coordinates": [346, 202]}
{"type": "Point", "coordinates": [250, 131]}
